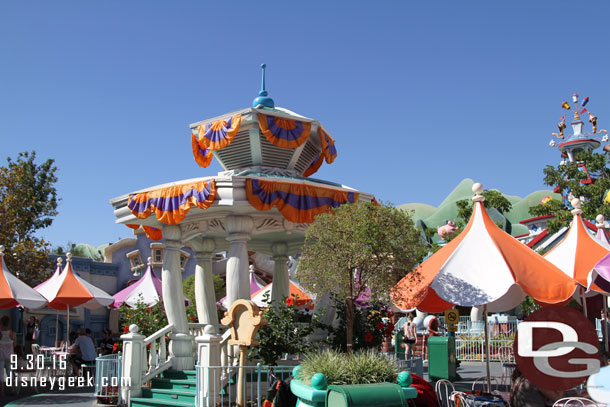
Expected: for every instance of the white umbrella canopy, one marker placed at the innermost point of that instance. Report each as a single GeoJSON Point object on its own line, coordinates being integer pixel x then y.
{"type": "Point", "coordinates": [14, 292]}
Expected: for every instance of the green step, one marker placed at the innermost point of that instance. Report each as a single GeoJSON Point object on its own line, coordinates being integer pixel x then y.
{"type": "Point", "coordinates": [177, 384]}
{"type": "Point", "coordinates": [149, 402]}
{"type": "Point", "coordinates": [180, 374]}
{"type": "Point", "coordinates": [170, 394]}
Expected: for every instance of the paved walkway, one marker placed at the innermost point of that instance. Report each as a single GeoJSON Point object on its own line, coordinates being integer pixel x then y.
{"type": "Point", "coordinates": [68, 398]}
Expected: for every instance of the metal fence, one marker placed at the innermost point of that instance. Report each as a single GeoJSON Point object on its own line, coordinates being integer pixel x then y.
{"type": "Point", "coordinates": [108, 379]}
{"type": "Point", "coordinates": [473, 349]}
{"type": "Point", "coordinates": [217, 385]}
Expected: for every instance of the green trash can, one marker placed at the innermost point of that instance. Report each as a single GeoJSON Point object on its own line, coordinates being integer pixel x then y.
{"type": "Point", "coordinates": [399, 351]}
{"type": "Point", "coordinates": [441, 358]}
{"type": "Point", "coordinates": [367, 395]}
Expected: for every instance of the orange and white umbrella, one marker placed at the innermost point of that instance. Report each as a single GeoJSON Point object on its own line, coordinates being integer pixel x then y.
{"type": "Point", "coordinates": [14, 292]}
{"type": "Point", "coordinates": [296, 294]}
{"type": "Point", "coordinates": [578, 253]}
{"type": "Point", "coordinates": [482, 266]}
{"type": "Point", "coordinates": [69, 291]}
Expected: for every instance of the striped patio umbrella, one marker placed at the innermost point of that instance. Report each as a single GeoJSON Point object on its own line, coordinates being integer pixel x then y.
{"type": "Point", "coordinates": [482, 266]}
{"type": "Point", "coordinates": [54, 277]}
{"type": "Point", "coordinates": [14, 292]}
{"type": "Point", "coordinates": [69, 290]}
{"type": "Point", "coordinates": [578, 253]}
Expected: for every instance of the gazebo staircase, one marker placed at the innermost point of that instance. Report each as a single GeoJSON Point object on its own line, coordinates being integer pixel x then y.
{"type": "Point", "coordinates": [174, 388]}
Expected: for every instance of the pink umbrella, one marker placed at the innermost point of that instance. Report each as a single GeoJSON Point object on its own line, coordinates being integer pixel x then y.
{"type": "Point", "coordinates": [255, 285]}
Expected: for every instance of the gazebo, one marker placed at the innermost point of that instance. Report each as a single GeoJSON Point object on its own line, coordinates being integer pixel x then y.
{"type": "Point", "coordinates": [262, 201]}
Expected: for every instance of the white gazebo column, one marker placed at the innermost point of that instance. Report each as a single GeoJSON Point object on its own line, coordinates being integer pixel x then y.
{"type": "Point", "coordinates": [181, 344]}
{"type": "Point", "coordinates": [280, 288]}
{"type": "Point", "coordinates": [205, 296]}
{"type": "Point", "coordinates": [238, 284]}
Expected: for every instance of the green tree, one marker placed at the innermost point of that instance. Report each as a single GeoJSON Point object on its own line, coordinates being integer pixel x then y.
{"type": "Point", "coordinates": [359, 247]}
{"type": "Point", "coordinates": [28, 203]}
{"type": "Point", "coordinates": [493, 199]}
{"type": "Point", "coordinates": [570, 179]}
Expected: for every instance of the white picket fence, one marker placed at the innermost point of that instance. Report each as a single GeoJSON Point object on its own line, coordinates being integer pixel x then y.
{"type": "Point", "coordinates": [473, 349]}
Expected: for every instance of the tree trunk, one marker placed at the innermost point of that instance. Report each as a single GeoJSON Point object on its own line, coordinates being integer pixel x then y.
{"type": "Point", "coordinates": [349, 316]}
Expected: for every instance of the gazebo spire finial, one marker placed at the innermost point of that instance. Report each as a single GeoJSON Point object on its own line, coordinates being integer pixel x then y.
{"type": "Point", "coordinates": [576, 204]}
{"type": "Point", "coordinates": [59, 261]}
{"type": "Point", "coordinates": [1, 250]}
{"type": "Point", "coordinates": [69, 257]}
{"type": "Point", "coordinates": [263, 100]}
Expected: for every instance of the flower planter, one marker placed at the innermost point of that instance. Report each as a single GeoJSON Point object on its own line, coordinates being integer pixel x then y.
{"type": "Point", "coordinates": [319, 394]}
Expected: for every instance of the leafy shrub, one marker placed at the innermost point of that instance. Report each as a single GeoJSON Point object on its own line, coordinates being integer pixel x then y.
{"type": "Point", "coordinates": [349, 368]}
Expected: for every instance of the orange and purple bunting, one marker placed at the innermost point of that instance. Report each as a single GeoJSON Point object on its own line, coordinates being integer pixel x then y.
{"type": "Point", "coordinates": [171, 204]}
{"type": "Point", "coordinates": [219, 134]}
{"type": "Point", "coordinates": [203, 156]}
{"type": "Point", "coordinates": [282, 132]}
{"type": "Point", "coordinates": [315, 166]}
{"type": "Point", "coordinates": [298, 203]}
{"type": "Point", "coordinates": [151, 232]}
{"type": "Point", "coordinates": [328, 145]}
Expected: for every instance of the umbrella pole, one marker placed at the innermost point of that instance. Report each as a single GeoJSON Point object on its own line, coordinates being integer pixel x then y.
{"type": "Point", "coordinates": [68, 330]}
{"type": "Point", "coordinates": [487, 348]}
{"type": "Point", "coordinates": [56, 326]}
{"type": "Point", "coordinates": [584, 302]}
{"type": "Point", "coordinates": [605, 322]}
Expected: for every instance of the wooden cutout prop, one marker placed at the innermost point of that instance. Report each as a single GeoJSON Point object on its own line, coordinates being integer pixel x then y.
{"type": "Point", "coordinates": [244, 319]}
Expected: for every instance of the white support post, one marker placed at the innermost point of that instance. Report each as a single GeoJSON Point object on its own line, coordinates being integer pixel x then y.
{"type": "Point", "coordinates": [238, 284]}
{"type": "Point", "coordinates": [181, 343]}
{"type": "Point", "coordinates": [280, 288]}
{"type": "Point", "coordinates": [208, 354]}
{"type": "Point", "coordinates": [204, 284]}
{"type": "Point", "coordinates": [133, 363]}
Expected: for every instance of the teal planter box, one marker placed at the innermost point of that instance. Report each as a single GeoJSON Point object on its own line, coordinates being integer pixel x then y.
{"type": "Point", "coordinates": [375, 394]}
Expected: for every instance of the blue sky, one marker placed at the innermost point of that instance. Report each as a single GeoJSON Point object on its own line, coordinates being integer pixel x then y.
{"type": "Point", "coordinates": [418, 95]}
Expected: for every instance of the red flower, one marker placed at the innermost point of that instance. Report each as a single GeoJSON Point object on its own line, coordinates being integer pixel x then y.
{"type": "Point", "coordinates": [380, 325]}
{"type": "Point", "coordinates": [389, 314]}
{"type": "Point", "coordinates": [368, 337]}
{"type": "Point", "coordinates": [390, 326]}
{"type": "Point", "coordinates": [115, 347]}
{"type": "Point", "coordinates": [290, 301]}
{"type": "Point", "coordinates": [192, 318]}
{"type": "Point", "coordinates": [148, 346]}
{"type": "Point", "coordinates": [147, 309]}
{"type": "Point", "coordinates": [126, 328]}
{"type": "Point", "coordinates": [388, 332]}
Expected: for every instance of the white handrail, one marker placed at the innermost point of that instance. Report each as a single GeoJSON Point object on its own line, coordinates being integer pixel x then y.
{"type": "Point", "coordinates": [157, 354]}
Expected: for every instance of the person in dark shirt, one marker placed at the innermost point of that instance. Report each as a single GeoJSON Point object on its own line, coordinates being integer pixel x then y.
{"type": "Point", "coordinates": [107, 342]}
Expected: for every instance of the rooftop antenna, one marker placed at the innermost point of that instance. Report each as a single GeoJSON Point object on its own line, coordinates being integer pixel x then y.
{"type": "Point", "coordinates": [263, 100]}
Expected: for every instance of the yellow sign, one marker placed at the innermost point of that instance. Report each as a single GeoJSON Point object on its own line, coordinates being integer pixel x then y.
{"type": "Point", "coordinates": [452, 328]}
{"type": "Point", "coordinates": [452, 316]}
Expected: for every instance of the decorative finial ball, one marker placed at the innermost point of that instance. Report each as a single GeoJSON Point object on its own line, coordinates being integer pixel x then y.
{"type": "Point", "coordinates": [263, 66]}
{"type": "Point", "coordinates": [133, 328]}
{"type": "Point", "coordinates": [552, 143]}
{"type": "Point", "coordinates": [576, 203]}
{"type": "Point", "coordinates": [477, 188]}
{"type": "Point", "coordinates": [1, 249]}
{"type": "Point", "coordinates": [209, 330]}
{"type": "Point", "coordinates": [149, 261]}
{"type": "Point", "coordinates": [319, 381]}
{"type": "Point", "coordinates": [600, 218]}
{"type": "Point", "coordinates": [404, 379]}
{"type": "Point", "coordinates": [59, 261]}
{"type": "Point", "coordinates": [69, 256]}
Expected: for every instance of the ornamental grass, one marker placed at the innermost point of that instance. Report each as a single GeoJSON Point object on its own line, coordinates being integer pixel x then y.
{"type": "Point", "coordinates": [349, 368]}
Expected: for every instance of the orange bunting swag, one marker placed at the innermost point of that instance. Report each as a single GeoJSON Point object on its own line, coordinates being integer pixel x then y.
{"type": "Point", "coordinates": [328, 145]}
{"type": "Point", "coordinates": [203, 156]}
{"type": "Point", "coordinates": [151, 232]}
{"type": "Point", "coordinates": [219, 134]}
{"type": "Point", "coordinates": [298, 203]}
{"type": "Point", "coordinates": [315, 166]}
{"type": "Point", "coordinates": [282, 132]}
{"type": "Point", "coordinates": [171, 204]}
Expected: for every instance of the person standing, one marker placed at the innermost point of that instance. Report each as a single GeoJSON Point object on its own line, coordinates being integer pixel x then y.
{"type": "Point", "coordinates": [433, 326]}
{"type": "Point", "coordinates": [409, 336]}
{"type": "Point", "coordinates": [7, 344]}
{"type": "Point", "coordinates": [29, 334]}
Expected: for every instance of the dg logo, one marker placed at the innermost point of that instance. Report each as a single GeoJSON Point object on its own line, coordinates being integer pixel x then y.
{"type": "Point", "coordinates": [557, 348]}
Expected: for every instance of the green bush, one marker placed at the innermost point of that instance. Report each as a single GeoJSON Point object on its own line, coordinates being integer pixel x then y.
{"type": "Point", "coordinates": [349, 368]}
